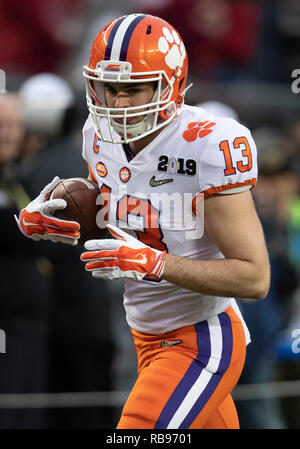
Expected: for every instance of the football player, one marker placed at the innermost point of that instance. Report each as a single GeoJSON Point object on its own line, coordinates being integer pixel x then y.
{"type": "Point", "coordinates": [159, 164]}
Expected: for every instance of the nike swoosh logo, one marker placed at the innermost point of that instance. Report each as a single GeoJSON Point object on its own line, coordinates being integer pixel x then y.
{"type": "Point", "coordinates": [155, 183]}
{"type": "Point", "coordinates": [142, 261]}
{"type": "Point", "coordinates": [168, 344]}
{"type": "Point", "coordinates": [27, 223]}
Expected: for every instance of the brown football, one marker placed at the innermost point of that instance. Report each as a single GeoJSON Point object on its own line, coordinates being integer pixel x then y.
{"type": "Point", "coordinates": [80, 195]}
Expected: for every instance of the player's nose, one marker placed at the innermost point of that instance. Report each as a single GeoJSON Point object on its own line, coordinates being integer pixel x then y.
{"type": "Point", "coordinates": [121, 100]}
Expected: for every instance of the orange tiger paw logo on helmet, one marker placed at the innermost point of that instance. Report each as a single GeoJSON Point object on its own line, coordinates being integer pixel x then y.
{"type": "Point", "coordinates": [198, 129]}
{"type": "Point", "coordinates": [173, 48]}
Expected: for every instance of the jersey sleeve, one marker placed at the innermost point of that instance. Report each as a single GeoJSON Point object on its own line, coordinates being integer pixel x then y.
{"type": "Point", "coordinates": [229, 160]}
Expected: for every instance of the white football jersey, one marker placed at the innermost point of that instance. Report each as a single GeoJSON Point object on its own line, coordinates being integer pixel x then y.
{"type": "Point", "coordinates": [151, 197]}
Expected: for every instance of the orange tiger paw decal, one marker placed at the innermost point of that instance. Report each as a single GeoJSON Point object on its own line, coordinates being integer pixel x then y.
{"type": "Point", "coordinates": [197, 129]}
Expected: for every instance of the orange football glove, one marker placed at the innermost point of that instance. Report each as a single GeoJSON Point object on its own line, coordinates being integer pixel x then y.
{"type": "Point", "coordinates": [37, 221]}
{"type": "Point", "coordinates": [125, 257]}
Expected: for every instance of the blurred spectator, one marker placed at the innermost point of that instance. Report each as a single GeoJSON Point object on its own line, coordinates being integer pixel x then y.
{"type": "Point", "coordinates": [214, 31]}
{"type": "Point", "coordinates": [266, 319]}
{"type": "Point", "coordinates": [11, 130]}
{"type": "Point", "coordinates": [37, 35]}
{"type": "Point", "coordinates": [219, 109]}
{"type": "Point", "coordinates": [81, 344]}
{"type": "Point", "coordinates": [49, 115]}
{"type": "Point", "coordinates": [288, 357]}
{"type": "Point", "coordinates": [25, 286]}
{"type": "Point", "coordinates": [81, 341]}
{"type": "Point", "coordinates": [288, 22]}
{"type": "Point", "coordinates": [100, 15]}
{"type": "Point", "coordinates": [293, 145]}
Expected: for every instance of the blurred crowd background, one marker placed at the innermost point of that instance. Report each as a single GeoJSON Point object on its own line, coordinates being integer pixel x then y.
{"type": "Point", "coordinates": [65, 331]}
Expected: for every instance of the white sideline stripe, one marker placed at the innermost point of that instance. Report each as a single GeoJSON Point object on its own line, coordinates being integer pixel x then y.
{"type": "Point", "coordinates": [119, 36]}
{"type": "Point", "coordinates": [215, 333]}
{"type": "Point", "coordinates": [247, 392]}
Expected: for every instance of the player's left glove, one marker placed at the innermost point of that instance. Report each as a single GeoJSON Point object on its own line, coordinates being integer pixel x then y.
{"type": "Point", "coordinates": [125, 257]}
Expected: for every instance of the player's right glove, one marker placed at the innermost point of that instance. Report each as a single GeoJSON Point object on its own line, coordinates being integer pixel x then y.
{"type": "Point", "coordinates": [123, 257]}
{"type": "Point", "coordinates": [36, 220]}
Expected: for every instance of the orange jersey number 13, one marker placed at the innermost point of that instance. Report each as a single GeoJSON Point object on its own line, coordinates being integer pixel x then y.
{"type": "Point", "coordinates": [239, 143]}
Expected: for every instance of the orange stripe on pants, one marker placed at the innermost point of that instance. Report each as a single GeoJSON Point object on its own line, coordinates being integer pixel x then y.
{"type": "Point", "coordinates": [187, 385]}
